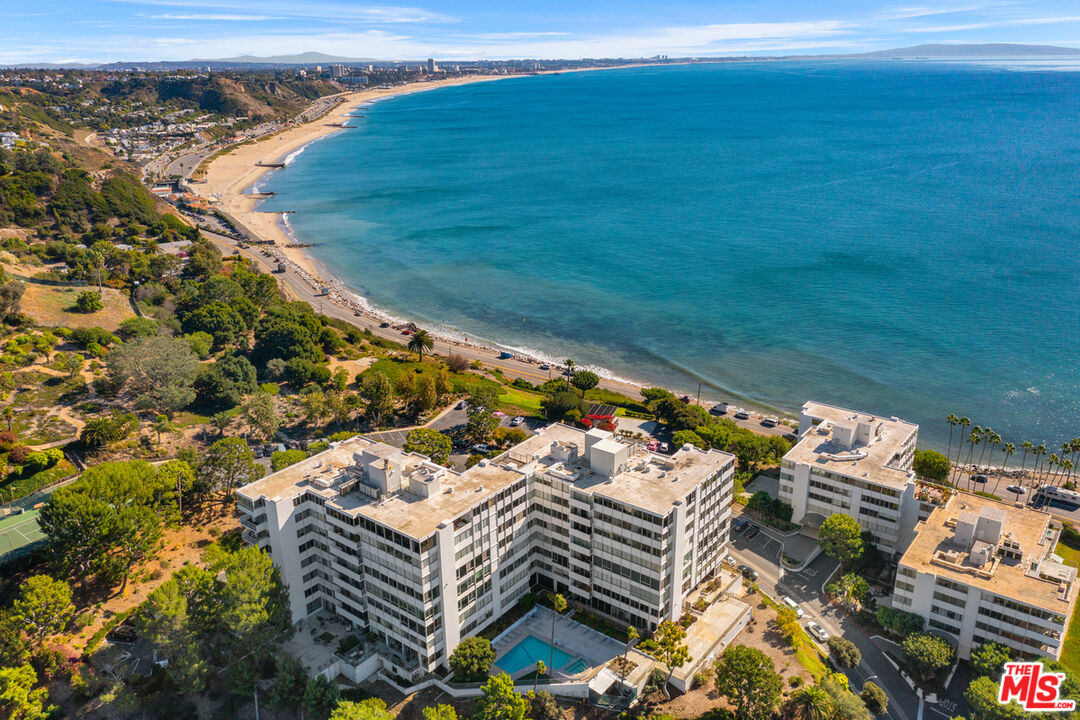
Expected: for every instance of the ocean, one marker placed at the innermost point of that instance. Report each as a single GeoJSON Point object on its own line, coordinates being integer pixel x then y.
{"type": "Point", "coordinates": [901, 238]}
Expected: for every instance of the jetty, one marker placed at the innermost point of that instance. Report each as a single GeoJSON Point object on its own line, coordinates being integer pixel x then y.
{"type": "Point", "coordinates": [263, 163]}
{"type": "Point", "coordinates": [261, 194]}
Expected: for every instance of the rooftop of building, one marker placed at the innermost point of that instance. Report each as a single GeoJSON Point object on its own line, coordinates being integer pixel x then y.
{"type": "Point", "coordinates": [431, 494]}
{"type": "Point", "coordinates": [853, 443]}
{"type": "Point", "coordinates": [994, 546]}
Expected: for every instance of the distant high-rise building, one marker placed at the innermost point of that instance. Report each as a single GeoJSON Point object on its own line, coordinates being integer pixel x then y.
{"type": "Point", "coordinates": [431, 66]}
{"type": "Point", "coordinates": [338, 71]}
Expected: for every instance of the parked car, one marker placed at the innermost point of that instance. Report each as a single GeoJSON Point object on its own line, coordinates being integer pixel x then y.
{"type": "Point", "coordinates": [769, 421]}
{"type": "Point", "coordinates": [384, 324]}
{"type": "Point", "coordinates": [664, 447]}
{"type": "Point", "coordinates": [1018, 489]}
{"type": "Point", "coordinates": [652, 445]}
{"type": "Point", "coordinates": [719, 409]}
{"type": "Point", "coordinates": [742, 415]}
{"type": "Point", "coordinates": [545, 366]}
{"type": "Point", "coordinates": [740, 525]}
{"type": "Point", "coordinates": [728, 559]}
{"type": "Point", "coordinates": [980, 478]}
{"type": "Point", "coordinates": [817, 632]}
{"type": "Point", "coordinates": [794, 606]}
{"type": "Point", "coordinates": [752, 531]}
{"type": "Point", "coordinates": [748, 572]}
{"type": "Point", "coordinates": [517, 421]}
{"type": "Point", "coordinates": [481, 448]}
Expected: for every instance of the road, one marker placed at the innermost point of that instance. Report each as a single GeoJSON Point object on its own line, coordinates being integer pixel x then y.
{"type": "Point", "coordinates": [762, 553]}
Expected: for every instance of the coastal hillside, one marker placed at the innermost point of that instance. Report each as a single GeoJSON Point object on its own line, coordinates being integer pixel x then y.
{"type": "Point", "coordinates": [978, 50]}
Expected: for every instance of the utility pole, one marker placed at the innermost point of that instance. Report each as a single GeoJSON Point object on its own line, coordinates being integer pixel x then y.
{"type": "Point", "coordinates": [699, 393]}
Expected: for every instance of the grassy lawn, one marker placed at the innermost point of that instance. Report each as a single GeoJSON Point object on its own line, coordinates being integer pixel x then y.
{"type": "Point", "coordinates": [393, 368]}
{"type": "Point", "coordinates": [50, 306]}
{"type": "Point", "coordinates": [1070, 653]}
{"type": "Point", "coordinates": [610, 397]}
{"type": "Point", "coordinates": [519, 402]}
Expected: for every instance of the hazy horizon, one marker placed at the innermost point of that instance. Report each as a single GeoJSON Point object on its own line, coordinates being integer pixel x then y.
{"type": "Point", "coordinates": [182, 30]}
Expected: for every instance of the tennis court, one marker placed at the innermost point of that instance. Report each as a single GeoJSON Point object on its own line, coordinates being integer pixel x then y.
{"type": "Point", "coordinates": [18, 531]}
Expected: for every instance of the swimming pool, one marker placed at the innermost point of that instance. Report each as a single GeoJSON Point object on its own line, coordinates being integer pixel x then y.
{"type": "Point", "coordinates": [525, 654]}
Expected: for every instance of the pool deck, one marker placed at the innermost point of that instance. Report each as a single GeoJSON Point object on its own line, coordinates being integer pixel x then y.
{"type": "Point", "coordinates": [582, 642]}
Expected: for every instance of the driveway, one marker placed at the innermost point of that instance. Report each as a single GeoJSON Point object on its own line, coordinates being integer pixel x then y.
{"type": "Point", "coordinates": [806, 588]}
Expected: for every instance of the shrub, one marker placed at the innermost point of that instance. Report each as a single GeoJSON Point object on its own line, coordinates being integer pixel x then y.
{"type": "Point", "coordinates": [19, 454]}
{"type": "Point", "coordinates": [471, 659]}
{"type": "Point", "coordinates": [88, 301]}
{"type": "Point", "coordinates": [844, 652]}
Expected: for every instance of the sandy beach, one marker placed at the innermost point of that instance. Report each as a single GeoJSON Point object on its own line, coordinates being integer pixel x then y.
{"type": "Point", "coordinates": [230, 175]}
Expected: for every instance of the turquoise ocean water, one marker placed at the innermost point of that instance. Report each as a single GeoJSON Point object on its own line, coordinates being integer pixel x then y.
{"type": "Point", "coordinates": [901, 238]}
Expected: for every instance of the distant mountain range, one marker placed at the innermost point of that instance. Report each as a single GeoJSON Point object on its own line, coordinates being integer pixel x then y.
{"type": "Point", "coordinates": [983, 50]}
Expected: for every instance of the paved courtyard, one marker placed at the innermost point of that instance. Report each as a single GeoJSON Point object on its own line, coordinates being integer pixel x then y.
{"type": "Point", "coordinates": [583, 643]}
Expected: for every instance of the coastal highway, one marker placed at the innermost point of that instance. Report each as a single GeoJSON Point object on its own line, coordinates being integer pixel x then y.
{"type": "Point", "coordinates": [296, 288]}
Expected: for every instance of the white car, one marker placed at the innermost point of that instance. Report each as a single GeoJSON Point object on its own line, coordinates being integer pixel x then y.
{"type": "Point", "coordinates": [481, 448]}
{"type": "Point", "coordinates": [794, 606]}
{"type": "Point", "coordinates": [517, 421]}
{"type": "Point", "coordinates": [817, 632]}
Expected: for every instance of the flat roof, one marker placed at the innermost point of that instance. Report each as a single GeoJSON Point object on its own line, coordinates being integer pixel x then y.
{"type": "Point", "coordinates": [651, 481]}
{"type": "Point", "coordinates": [1009, 578]}
{"type": "Point", "coordinates": [820, 448]}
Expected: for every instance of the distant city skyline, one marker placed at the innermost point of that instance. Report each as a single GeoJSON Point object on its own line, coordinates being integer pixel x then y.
{"type": "Point", "coordinates": [147, 30]}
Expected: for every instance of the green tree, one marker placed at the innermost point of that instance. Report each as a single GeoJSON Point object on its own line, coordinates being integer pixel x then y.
{"type": "Point", "coordinates": [43, 607]}
{"type": "Point", "coordinates": [471, 659]}
{"type": "Point", "coordinates": [137, 327]}
{"type": "Point", "coordinates": [421, 342]}
{"type": "Point", "coordinates": [844, 652]}
{"type": "Point", "coordinates": [166, 621]}
{"type": "Point", "coordinates": [71, 362]}
{"type": "Point", "coordinates": [689, 437]}
{"type": "Point", "coordinates": [840, 537]}
{"type": "Point", "coordinates": [429, 442]}
{"type": "Point", "coordinates": [221, 420]}
{"type": "Point", "coordinates": [927, 654]}
{"type": "Point", "coordinates": [584, 381]}
{"type": "Point", "coordinates": [88, 301]}
{"type": "Point", "coordinates": [321, 696]}
{"type": "Point", "coordinates": [11, 292]}
{"type": "Point", "coordinates": [378, 394]}
{"type": "Point", "coordinates": [541, 669]}
{"type": "Point", "coordinates": [290, 683]}
{"type": "Point", "coordinates": [670, 647]}
{"type": "Point", "coordinates": [227, 465]}
{"type": "Point", "coordinates": [439, 712]}
{"type": "Point", "coordinates": [424, 396]}
{"type": "Point", "coordinates": [852, 590]}
{"type": "Point", "coordinates": [282, 459]}
{"type": "Point", "coordinates": [563, 405]}
{"type": "Point", "coordinates": [809, 703]}
{"type": "Point", "coordinates": [846, 704]}
{"type": "Point", "coordinates": [989, 660]}
{"type": "Point", "coordinates": [480, 407]}
{"type": "Point", "coordinates": [748, 679]}
{"type": "Point", "coordinates": [932, 465]}
{"type": "Point", "coordinates": [14, 650]}
{"type": "Point", "coordinates": [18, 698]}
{"type": "Point", "coordinates": [261, 414]}
{"type": "Point", "coordinates": [558, 606]}
{"type": "Point", "coordinates": [370, 709]}
{"type": "Point", "coordinates": [787, 622]}
{"type": "Point", "coordinates": [500, 701]}
{"type": "Point", "coordinates": [218, 319]}
{"type": "Point", "coordinates": [223, 384]}
{"type": "Point", "coordinates": [982, 694]}
{"type": "Point", "coordinates": [160, 369]}
{"type": "Point", "coordinates": [875, 698]}
{"type": "Point", "coordinates": [900, 622]}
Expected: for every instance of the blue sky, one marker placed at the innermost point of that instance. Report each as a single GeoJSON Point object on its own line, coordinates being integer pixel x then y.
{"type": "Point", "coordinates": [104, 30]}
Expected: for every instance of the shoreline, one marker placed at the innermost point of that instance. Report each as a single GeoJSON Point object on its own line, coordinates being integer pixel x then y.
{"type": "Point", "coordinates": [230, 178]}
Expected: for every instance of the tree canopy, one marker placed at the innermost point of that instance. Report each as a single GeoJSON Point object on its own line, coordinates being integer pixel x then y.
{"type": "Point", "coordinates": [840, 537]}
{"type": "Point", "coordinates": [748, 679]}
{"type": "Point", "coordinates": [472, 658]}
{"type": "Point", "coordinates": [431, 443]}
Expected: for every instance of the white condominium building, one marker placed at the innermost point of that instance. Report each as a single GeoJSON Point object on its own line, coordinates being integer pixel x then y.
{"type": "Point", "coordinates": [982, 570]}
{"type": "Point", "coordinates": [421, 556]}
{"type": "Point", "coordinates": [857, 464]}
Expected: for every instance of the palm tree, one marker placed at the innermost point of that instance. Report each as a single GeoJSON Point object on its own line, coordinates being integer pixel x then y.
{"type": "Point", "coordinates": [1051, 475]}
{"type": "Point", "coordinates": [995, 440]}
{"type": "Point", "coordinates": [161, 424]}
{"type": "Point", "coordinates": [541, 668]}
{"type": "Point", "coordinates": [220, 420]}
{"type": "Point", "coordinates": [1007, 450]}
{"type": "Point", "coordinates": [558, 604]}
{"type": "Point", "coordinates": [569, 369]}
{"type": "Point", "coordinates": [420, 341]}
{"type": "Point", "coordinates": [1028, 447]}
{"type": "Point", "coordinates": [988, 435]}
{"type": "Point", "coordinates": [953, 421]}
{"type": "Point", "coordinates": [974, 438]}
{"type": "Point", "coordinates": [1040, 450]}
{"type": "Point", "coordinates": [809, 703]}
{"type": "Point", "coordinates": [1067, 465]}
{"type": "Point", "coordinates": [964, 423]}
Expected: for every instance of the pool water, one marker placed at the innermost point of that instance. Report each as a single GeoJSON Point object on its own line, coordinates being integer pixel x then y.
{"type": "Point", "coordinates": [525, 654]}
